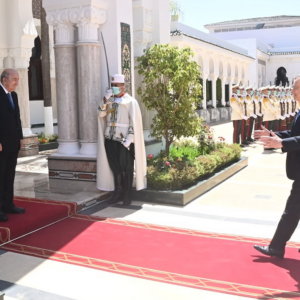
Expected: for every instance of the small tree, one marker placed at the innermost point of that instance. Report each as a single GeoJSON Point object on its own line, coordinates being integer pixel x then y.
{"type": "Point", "coordinates": [172, 88]}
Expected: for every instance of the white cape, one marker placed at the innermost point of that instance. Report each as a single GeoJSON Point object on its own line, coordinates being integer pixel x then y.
{"type": "Point", "coordinates": [105, 181]}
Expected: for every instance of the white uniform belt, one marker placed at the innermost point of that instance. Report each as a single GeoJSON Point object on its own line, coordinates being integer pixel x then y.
{"type": "Point", "coordinates": [113, 124]}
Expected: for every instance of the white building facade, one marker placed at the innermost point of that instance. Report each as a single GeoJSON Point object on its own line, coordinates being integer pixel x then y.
{"type": "Point", "coordinates": [247, 52]}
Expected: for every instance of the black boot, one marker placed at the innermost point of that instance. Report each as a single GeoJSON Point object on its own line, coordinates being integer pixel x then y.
{"type": "Point", "coordinates": [117, 194]}
{"type": "Point", "coordinates": [126, 186]}
{"type": "Point", "coordinates": [126, 198]}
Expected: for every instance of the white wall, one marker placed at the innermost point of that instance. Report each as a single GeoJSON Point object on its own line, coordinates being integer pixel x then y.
{"type": "Point", "coordinates": [117, 11]}
{"type": "Point", "coordinates": [290, 62]}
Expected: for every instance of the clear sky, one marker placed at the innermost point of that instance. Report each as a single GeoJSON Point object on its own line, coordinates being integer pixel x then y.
{"type": "Point", "coordinates": [197, 13]}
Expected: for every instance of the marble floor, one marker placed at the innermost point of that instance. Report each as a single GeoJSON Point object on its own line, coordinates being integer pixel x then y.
{"type": "Point", "coordinates": [248, 203]}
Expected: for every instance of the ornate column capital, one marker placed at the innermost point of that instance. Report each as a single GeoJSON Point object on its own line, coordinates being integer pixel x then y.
{"type": "Point", "coordinates": [64, 29]}
{"type": "Point", "coordinates": [88, 19]}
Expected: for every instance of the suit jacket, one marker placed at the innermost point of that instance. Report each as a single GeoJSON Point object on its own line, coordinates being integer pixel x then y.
{"type": "Point", "coordinates": [291, 145]}
{"type": "Point", "coordinates": [10, 123]}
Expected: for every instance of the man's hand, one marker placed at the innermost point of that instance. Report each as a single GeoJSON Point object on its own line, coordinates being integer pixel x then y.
{"type": "Point", "coordinates": [0, 147]}
{"type": "Point", "coordinates": [260, 133]}
{"type": "Point", "coordinates": [107, 95]}
{"type": "Point", "coordinates": [272, 141]}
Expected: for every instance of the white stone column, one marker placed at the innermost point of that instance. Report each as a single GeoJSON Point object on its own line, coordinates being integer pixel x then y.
{"type": "Point", "coordinates": [89, 76]}
{"type": "Point", "coordinates": [230, 87]}
{"type": "Point", "coordinates": [214, 92]}
{"type": "Point", "coordinates": [204, 103]}
{"type": "Point", "coordinates": [66, 82]}
{"type": "Point", "coordinates": [223, 91]}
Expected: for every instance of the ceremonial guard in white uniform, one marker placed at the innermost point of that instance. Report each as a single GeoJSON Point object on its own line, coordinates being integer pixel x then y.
{"type": "Point", "coordinates": [120, 143]}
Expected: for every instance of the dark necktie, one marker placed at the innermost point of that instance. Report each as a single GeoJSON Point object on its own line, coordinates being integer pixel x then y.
{"type": "Point", "coordinates": [11, 102]}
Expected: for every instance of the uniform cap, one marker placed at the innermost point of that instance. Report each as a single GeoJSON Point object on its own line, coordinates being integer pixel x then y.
{"type": "Point", "coordinates": [118, 78]}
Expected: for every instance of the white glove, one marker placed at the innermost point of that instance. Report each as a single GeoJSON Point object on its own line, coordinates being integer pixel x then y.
{"type": "Point", "coordinates": [108, 94]}
{"type": "Point", "coordinates": [126, 143]}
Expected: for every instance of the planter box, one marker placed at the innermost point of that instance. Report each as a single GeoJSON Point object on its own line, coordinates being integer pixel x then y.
{"type": "Point", "coordinates": [48, 146]}
{"type": "Point", "coordinates": [183, 197]}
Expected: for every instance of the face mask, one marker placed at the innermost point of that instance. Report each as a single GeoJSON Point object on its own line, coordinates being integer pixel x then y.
{"type": "Point", "coordinates": [116, 90]}
{"type": "Point", "coordinates": [238, 92]}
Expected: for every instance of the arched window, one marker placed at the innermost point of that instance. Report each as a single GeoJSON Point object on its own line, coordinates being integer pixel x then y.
{"type": "Point", "coordinates": [35, 79]}
{"type": "Point", "coordinates": [281, 78]}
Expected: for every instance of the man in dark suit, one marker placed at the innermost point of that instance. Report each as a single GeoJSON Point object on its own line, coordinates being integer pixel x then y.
{"type": "Point", "coordinates": [288, 141]}
{"type": "Point", "coordinates": [10, 141]}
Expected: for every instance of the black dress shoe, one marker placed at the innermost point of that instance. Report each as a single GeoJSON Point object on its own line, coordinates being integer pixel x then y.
{"type": "Point", "coordinates": [14, 210]}
{"type": "Point", "coordinates": [269, 251]}
{"type": "Point", "coordinates": [3, 217]}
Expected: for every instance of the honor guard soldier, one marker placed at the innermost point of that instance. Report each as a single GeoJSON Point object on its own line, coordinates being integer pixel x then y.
{"type": "Point", "coordinates": [259, 109]}
{"type": "Point", "coordinates": [276, 104]}
{"type": "Point", "coordinates": [282, 122]}
{"type": "Point", "coordinates": [268, 108]}
{"type": "Point", "coordinates": [237, 114]}
{"type": "Point", "coordinates": [293, 103]}
{"type": "Point", "coordinates": [121, 143]}
{"type": "Point", "coordinates": [290, 95]}
{"type": "Point", "coordinates": [288, 103]}
{"type": "Point", "coordinates": [251, 105]}
{"type": "Point", "coordinates": [246, 116]}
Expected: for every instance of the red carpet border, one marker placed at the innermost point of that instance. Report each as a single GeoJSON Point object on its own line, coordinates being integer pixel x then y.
{"type": "Point", "coordinates": [210, 261]}
{"type": "Point", "coordinates": [39, 213]}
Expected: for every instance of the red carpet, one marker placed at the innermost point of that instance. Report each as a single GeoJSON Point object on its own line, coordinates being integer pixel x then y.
{"type": "Point", "coordinates": [39, 213]}
{"type": "Point", "coordinates": [222, 263]}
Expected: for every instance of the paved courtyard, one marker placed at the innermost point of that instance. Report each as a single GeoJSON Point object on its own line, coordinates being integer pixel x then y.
{"type": "Point", "coordinates": [249, 203]}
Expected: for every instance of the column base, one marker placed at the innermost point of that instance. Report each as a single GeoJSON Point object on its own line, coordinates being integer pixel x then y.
{"type": "Point", "coordinates": [67, 148]}
{"type": "Point", "coordinates": [88, 149]}
{"type": "Point", "coordinates": [30, 146]}
{"type": "Point", "coordinates": [215, 115]}
{"type": "Point", "coordinates": [75, 168]}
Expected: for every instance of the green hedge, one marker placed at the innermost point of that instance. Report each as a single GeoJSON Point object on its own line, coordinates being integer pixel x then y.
{"type": "Point", "coordinates": [182, 173]}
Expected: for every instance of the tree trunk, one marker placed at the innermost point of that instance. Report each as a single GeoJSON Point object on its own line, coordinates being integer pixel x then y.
{"type": "Point", "coordinates": [48, 114]}
{"type": "Point", "coordinates": [168, 144]}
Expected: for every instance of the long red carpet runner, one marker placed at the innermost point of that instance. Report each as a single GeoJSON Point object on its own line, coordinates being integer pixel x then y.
{"type": "Point", "coordinates": [215, 262]}
{"type": "Point", "coordinates": [39, 213]}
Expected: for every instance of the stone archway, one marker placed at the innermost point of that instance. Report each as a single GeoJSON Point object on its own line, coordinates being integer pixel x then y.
{"type": "Point", "coordinates": [35, 78]}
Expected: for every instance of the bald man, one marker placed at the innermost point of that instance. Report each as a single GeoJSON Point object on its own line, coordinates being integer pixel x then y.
{"type": "Point", "coordinates": [10, 141]}
{"type": "Point", "coordinates": [288, 141]}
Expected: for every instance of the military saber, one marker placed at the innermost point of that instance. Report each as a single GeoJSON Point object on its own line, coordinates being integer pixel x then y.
{"type": "Point", "coordinates": [105, 53]}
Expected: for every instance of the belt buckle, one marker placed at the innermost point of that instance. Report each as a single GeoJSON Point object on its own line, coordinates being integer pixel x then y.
{"type": "Point", "coordinates": [113, 124]}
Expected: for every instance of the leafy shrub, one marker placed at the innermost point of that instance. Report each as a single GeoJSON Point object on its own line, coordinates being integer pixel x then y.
{"type": "Point", "coordinates": [43, 139]}
{"type": "Point", "coordinates": [186, 169]}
